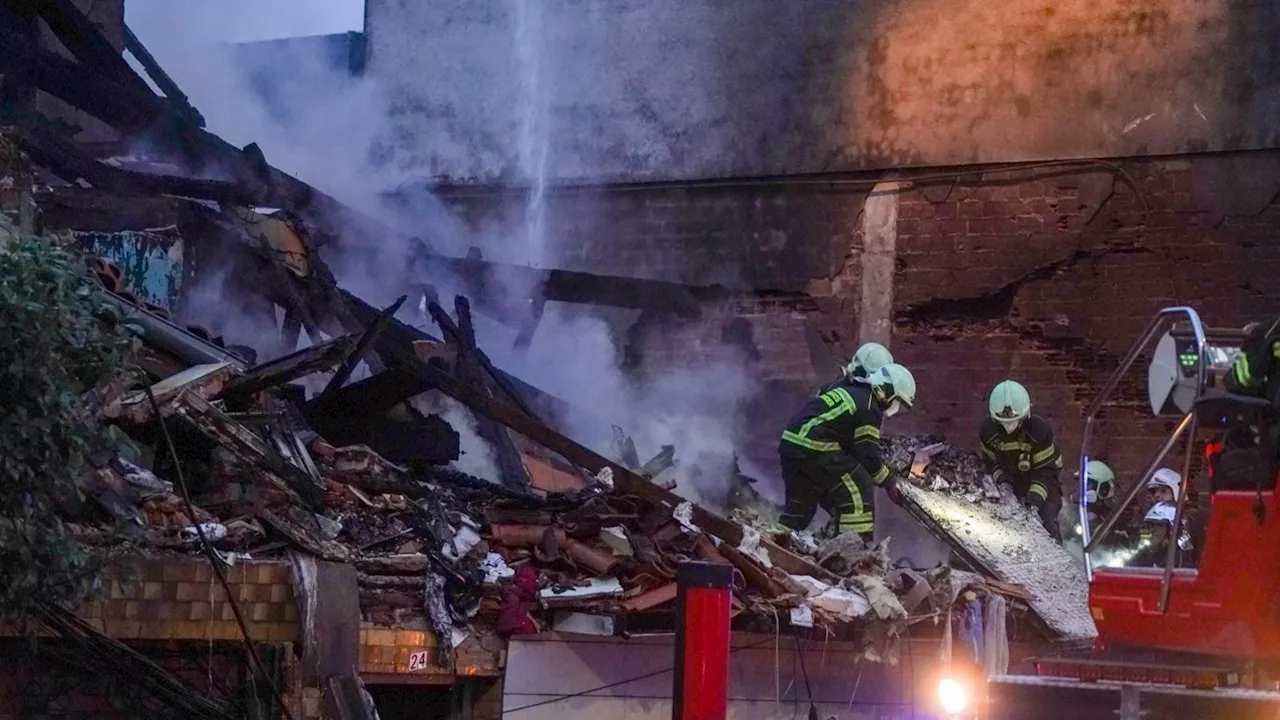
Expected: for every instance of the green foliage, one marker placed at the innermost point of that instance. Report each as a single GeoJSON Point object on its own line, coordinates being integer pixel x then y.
{"type": "Point", "coordinates": [54, 353]}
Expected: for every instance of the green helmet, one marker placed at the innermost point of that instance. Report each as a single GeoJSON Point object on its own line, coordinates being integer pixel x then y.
{"type": "Point", "coordinates": [867, 360]}
{"type": "Point", "coordinates": [1100, 481]}
{"type": "Point", "coordinates": [894, 382]}
{"type": "Point", "coordinates": [1009, 404]}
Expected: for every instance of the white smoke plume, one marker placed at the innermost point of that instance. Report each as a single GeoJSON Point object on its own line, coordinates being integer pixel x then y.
{"type": "Point", "coordinates": [332, 130]}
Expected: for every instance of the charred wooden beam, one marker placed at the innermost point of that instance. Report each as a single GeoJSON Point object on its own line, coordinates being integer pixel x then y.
{"type": "Point", "coordinates": [161, 78]}
{"type": "Point", "coordinates": [18, 87]}
{"type": "Point", "coordinates": [86, 42]}
{"type": "Point", "coordinates": [470, 371]}
{"type": "Point", "coordinates": [396, 344]}
{"type": "Point", "coordinates": [291, 367]}
{"type": "Point", "coordinates": [125, 107]}
{"type": "Point", "coordinates": [486, 278]}
{"type": "Point", "coordinates": [94, 210]}
{"type": "Point", "coordinates": [55, 152]}
{"type": "Point", "coordinates": [362, 348]}
{"type": "Point", "coordinates": [524, 338]}
{"type": "Point", "coordinates": [462, 336]}
{"type": "Point", "coordinates": [370, 397]}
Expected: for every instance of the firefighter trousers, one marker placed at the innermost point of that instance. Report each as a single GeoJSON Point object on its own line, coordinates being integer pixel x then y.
{"type": "Point", "coordinates": [1052, 504]}
{"type": "Point", "coordinates": [835, 481]}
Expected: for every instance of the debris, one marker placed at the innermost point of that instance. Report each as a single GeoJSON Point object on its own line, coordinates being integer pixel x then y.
{"type": "Point", "coordinates": [605, 477]}
{"type": "Point", "coordinates": [654, 598]}
{"type": "Point", "coordinates": [845, 604]}
{"type": "Point", "coordinates": [750, 547]}
{"type": "Point", "coordinates": [594, 589]}
{"type": "Point", "coordinates": [811, 585]}
{"type": "Point", "coordinates": [683, 514]}
{"type": "Point", "coordinates": [495, 568]}
{"type": "Point", "coordinates": [802, 616]}
{"type": "Point", "coordinates": [617, 540]}
{"type": "Point", "coordinates": [213, 532]}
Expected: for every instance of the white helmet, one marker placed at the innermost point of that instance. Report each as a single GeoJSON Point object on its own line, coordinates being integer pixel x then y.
{"type": "Point", "coordinates": [1164, 477]}
{"type": "Point", "coordinates": [867, 360]}
{"type": "Point", "coordinates": [1161, 513]}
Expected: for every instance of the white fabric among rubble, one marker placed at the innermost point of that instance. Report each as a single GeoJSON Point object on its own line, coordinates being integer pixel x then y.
{"type": "Point", "coordinates": [750, 546]}
{"type": "Point", "coordinates": [683, 514]}
{"type": "Point", "coordinates": [995, 656]}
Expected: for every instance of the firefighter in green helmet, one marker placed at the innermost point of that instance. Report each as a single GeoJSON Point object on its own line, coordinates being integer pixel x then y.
{"type": "Point", "coordinates": [830, 451]}
{"type": "Point", "coordinates": [1021, 448]}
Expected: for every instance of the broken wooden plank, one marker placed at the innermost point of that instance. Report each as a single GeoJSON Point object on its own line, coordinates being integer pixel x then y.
{"type": "Point", "coordinates": [248, 448]}
{"type": "Point", "coordinates": [291, 367]}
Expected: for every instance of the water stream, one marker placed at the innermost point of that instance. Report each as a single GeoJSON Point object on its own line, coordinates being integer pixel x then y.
{"type": "Point", "coordinates": [534, 137]}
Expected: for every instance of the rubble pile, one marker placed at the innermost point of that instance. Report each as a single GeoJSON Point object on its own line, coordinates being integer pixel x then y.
{"type": "Point", "coordinates": [433, 547]}
{"type": "Point", "coordinates": [930, 461]}
{"type": "Point", "coordinates": [258, 452]}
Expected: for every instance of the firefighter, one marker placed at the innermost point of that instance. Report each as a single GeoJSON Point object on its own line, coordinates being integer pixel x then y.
{"type": "Point", "coordinates": [1254, 369]}
{"type": "Point", "coordinates": [1164, 486]}
{"type": "Point", "coordinates": [1100, 490]}
{"type": "Point", "coordinates": [1249, 461]}
{"type": "Point", "coordinates": [830, 451]}
{"type": "Point", "coordinates": [1155, 533]}
{"type": "Point", "coordinates": [1022, 449]}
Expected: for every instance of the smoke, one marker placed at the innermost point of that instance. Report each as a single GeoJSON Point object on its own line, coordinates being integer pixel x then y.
{"type": "Point", "coordinates": [311, 117]}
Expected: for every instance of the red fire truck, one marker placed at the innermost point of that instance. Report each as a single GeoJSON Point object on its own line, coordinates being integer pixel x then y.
{"type": "Point", "coordinates": [1174, 642]}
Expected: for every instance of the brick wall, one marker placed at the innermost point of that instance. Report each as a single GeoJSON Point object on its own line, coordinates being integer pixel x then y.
{"type": "Point", "coordinates": [168, 608]}
{"type": "Point", "coordinates": [179, 599]}
{"type": "Point", "coordinates": [391, 651]}
{"type": "Point", "coordinates": [1045, 276]}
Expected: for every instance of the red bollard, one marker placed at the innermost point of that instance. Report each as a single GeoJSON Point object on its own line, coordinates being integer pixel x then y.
{"type": "Point", "coordinates": [702, 641]}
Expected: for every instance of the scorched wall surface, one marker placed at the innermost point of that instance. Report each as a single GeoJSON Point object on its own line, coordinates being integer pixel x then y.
{"type": "Point", "coordinates": [615, 90]}
{"type": "Point", "coordinates": [1045, 276]}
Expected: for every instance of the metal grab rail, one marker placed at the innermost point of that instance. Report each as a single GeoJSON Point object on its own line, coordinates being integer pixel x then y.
{"type": "Point", "coordinates": [1188, 422]}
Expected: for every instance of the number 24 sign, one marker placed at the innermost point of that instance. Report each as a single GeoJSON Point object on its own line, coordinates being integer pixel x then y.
{"type": "Point", "coordinates": [418, 661]}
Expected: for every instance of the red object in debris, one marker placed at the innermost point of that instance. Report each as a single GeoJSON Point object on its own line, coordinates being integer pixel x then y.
{"type": "Point", "coordinates": [702, 641]}
{"type": "Point", "coordinates": [514, 618]}
{"type": "Point", "coordinates": [1212, 449]}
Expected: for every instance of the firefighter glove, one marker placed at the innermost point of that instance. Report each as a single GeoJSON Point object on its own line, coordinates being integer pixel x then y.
{"type": "Point", "coordinates": [890, 486]}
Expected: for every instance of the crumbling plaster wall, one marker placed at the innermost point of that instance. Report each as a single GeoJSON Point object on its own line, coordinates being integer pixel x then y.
{"type": "Point", "coordinates": [1046, 276]}
{"type": "Point", "coordinates": [680, 89]}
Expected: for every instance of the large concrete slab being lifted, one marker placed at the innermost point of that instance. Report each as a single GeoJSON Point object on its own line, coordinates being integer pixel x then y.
{"type": "Point", "coordinates": [949, 491]}
{"type": "Point", "coordinates": [1008, 543]}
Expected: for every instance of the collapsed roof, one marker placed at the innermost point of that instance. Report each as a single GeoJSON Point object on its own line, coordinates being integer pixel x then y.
{"type": "Point", "coordinates": [355, 471]}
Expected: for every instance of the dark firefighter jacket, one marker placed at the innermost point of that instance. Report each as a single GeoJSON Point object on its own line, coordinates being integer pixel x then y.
{"type": "Point", "coordinates": [1028, 455]}
{"type": "Point", "coordinates": [1255, 369]}
{"type": "Point", "coordinates": [844, 417]}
